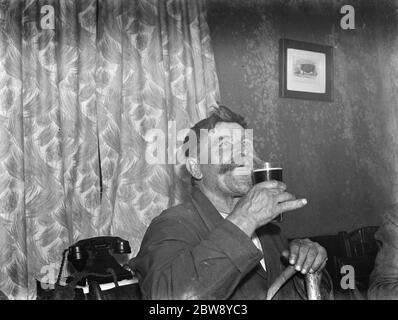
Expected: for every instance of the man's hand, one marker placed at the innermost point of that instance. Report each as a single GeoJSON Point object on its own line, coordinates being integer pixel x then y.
{"type": "Point", "coordinates": [264, 202]}
{"type": "Point", "coordinates": [306, 256]}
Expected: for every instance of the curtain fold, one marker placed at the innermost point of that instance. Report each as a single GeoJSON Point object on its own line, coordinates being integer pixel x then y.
{"type": "Point", "coordinates": [76, 103]}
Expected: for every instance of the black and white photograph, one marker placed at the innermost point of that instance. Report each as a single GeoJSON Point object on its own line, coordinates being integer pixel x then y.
{"type": "Point", "coordinates": [306, 70]}
{"type": "Point", "coordinates": [201, 150]}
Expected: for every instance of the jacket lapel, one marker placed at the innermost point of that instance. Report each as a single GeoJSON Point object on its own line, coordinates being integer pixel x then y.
{"type": "Point", "coordinates": [273, 248]}
{"type": "Point", "coordinates": [212, 218]}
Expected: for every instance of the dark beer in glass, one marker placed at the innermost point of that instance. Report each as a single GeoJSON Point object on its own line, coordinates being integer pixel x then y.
{"type": "Point", "coordinates": [268, 171]}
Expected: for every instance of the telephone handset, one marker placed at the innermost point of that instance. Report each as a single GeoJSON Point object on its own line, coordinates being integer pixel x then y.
{"type": "Point", "coordinates": [93, 256]}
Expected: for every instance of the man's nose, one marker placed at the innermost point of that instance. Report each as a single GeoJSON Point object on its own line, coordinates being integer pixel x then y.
{"type": "Point", "coordinates": [243, 154]}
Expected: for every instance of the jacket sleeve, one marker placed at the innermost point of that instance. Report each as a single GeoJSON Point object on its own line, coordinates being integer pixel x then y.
{"type": "Point", "coordinates": [384, 278]}
{"type": "Point", "coordinates": [174, 264]}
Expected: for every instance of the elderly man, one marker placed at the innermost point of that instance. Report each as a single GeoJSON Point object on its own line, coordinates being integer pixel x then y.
{"type": "Point", "coordinates": [222, 243]}
{"type": "Point", "coordinates": [384, 278]}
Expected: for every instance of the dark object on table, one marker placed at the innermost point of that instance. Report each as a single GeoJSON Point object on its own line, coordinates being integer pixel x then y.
{"type": "Point", "coordinates": [97, 275]}
{"type": "Point", "coordinates": [93, 257]}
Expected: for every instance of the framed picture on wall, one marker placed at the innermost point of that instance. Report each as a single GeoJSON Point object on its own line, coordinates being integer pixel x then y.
{"type": "Point", "coordinates": [305, 70]}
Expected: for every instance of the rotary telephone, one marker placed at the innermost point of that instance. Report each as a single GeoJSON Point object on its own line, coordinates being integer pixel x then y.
{"type": "Point", "coordinates": [93, 271]}
{"type": "Point", "coordinates": [93, 257]}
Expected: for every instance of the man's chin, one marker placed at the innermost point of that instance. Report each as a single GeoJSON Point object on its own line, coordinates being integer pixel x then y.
{"type": "Point", "coordinates": [240, 190]}
{"type": "Point", "coordinates": [238, 185]}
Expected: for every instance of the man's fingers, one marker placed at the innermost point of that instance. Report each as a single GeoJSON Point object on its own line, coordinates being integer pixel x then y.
{"type": "Point", "coordinates": [290, 205]}
{"type": "Point", "coordinates": [323, 265]}
{"type": "Point", "coordinates": [309, 262]}
{"type": "Point", "coordinates": [273, 184]}
{"type": "Point", "coordinates": [294, 251]}
{"type": "Point", "coordinates": [307, 256]}
{"type": "Point", "coordinates": [285, 196]}
{"type": "Point", "coordinates": [303, 251]}
{"type": "Point", "coordinates": [275, 192]}
{"type": "Point", "coordinates": [285, 253]}
{"type": "Point", "coordinates": [320, 261]}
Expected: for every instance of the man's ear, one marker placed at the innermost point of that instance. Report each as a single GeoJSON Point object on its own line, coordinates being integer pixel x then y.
{"type": "Point", "coordinates": [193, 168]}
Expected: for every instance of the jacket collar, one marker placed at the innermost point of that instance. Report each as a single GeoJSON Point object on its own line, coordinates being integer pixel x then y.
{"type": "Point", "coordinates": [206, 209]}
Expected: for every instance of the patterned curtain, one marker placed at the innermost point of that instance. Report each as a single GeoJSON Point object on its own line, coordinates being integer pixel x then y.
{"type": "Point", "coordinates": [76, 102]}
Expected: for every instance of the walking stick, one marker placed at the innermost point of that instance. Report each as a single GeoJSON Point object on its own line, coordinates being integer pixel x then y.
{"type": "Point", "coordinates": [312, 282]}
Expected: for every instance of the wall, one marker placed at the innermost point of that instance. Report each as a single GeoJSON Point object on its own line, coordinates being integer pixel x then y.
{"type": "Point", "coordinates": [340, 155]}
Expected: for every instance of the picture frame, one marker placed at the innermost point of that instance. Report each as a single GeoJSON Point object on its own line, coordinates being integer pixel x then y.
{"type": "Point", "coordinates": [305, 70]}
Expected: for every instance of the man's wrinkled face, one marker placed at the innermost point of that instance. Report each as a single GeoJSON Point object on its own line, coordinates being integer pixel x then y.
{"type": "Point", "coordinates": [230, 160]}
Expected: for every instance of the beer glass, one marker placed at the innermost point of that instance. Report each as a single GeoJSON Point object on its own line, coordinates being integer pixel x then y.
{"type": "Point", "coordinates": [267, 171]}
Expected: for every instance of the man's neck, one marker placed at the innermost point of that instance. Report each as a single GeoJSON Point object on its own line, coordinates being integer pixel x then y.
{"type": "Point", "coordinates": [219, 200]}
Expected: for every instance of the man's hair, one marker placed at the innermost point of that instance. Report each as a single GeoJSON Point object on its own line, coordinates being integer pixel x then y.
{"type": "Point", "coordinates": [220, 114]}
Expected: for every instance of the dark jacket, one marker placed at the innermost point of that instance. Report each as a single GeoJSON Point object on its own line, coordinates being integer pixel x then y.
{"type": "Point", "coordinates": [384, 278]}
{"type": "Point", "coordinates": [190, 252]}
